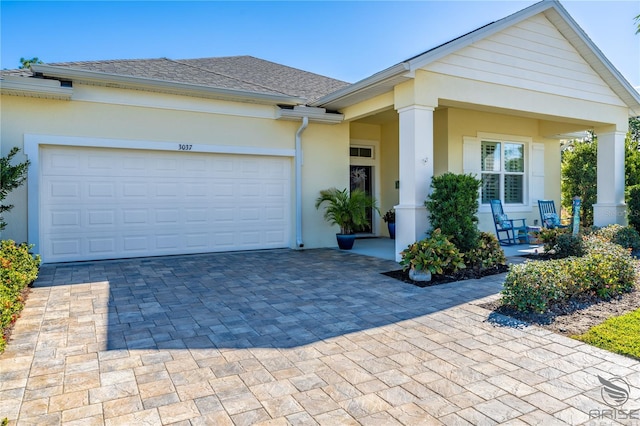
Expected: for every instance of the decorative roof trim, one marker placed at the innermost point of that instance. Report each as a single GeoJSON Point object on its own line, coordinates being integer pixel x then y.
{"type": "Point", "coordinates": [117, 80]}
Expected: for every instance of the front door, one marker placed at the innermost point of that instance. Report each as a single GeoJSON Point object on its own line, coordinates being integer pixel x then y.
{"type": "Point", "coordinates": [361, 178]}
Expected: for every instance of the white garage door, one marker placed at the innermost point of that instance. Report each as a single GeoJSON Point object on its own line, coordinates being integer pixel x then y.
{"type": "Point", "coordinates": [101, 203]}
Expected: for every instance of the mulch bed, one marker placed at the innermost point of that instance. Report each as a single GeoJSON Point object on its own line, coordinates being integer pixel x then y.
{"type": "Point", "coordinates": [577, 315]}
{"type": "Point", "coordinates": [463, 274]}
{"type": "Point", "coordinates": [574, 317]}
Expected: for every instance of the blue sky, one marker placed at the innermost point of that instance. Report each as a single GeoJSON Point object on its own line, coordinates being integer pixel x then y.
{"type": "Point", "coordinates": [344, 40]}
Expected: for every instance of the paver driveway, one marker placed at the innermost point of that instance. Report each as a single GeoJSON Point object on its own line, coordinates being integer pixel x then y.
{"type": "Point", "coordinates": [286, 337]}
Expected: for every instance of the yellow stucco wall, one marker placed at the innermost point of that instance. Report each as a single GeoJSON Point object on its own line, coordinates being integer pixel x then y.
{"type": "Point", "coordinates": [469, 123]}
{"type": "Point", "coordinates": [182, 119]}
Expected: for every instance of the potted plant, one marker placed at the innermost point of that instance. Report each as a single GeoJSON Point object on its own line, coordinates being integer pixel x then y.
{"type": "Point", "coordinates": [390, 219]}
{"type": "Point", "coordinates": [347, 210]}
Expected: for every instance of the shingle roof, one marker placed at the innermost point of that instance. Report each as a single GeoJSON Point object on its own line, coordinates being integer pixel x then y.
{"type": "Point", "coordinates": [235, 72]}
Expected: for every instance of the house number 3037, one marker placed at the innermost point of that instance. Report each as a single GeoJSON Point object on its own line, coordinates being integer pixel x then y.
{"type": "Point", "coordinates": [184, 147]}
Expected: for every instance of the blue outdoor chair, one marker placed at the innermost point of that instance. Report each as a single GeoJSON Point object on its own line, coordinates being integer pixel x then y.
{"type": "Point", "coordinates": [548, 216]}
{"type": "Point", "coordinates": [514, 230]}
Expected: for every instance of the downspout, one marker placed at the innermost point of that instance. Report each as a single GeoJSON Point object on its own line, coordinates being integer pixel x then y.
{"type": "Point", "coordinates": [298, 161]}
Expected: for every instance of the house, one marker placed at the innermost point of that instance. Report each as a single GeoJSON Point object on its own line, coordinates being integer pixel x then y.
{"type": "Point", "coordinates": [154, 157]}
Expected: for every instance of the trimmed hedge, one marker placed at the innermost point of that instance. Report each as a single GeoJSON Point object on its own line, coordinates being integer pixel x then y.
{"type": "Point", "coordinates": [607, 269]}
{"type": "Point", "coordinates": [18, 269]}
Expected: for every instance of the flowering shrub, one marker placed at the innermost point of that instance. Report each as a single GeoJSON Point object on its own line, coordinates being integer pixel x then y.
{"type": "Point", "coordinates": [18, 269]}
{"type": "Point", "coordinates": [607, 269]}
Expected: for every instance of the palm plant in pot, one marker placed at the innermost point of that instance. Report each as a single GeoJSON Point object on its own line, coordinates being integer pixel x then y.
{"type": "Point", "coordinates": [347, 210]}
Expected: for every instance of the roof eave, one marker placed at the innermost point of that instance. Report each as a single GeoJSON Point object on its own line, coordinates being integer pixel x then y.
{"type": "Point", "coordinates": [335, 100]}
{"type": "Point", "coordinates": [315, 115]}
{"type": "Point", "coordinates": [35, 88]}
{"type": "Point", "coordinates": [144, 83]}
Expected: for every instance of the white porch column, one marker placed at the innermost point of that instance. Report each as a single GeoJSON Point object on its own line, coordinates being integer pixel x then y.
{"type": "Point", "coordinates": [610, 207]}
{"type": "Point", "coordinates": [416, 172]}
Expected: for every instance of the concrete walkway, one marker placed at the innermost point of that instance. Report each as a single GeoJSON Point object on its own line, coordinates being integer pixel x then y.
{"type": "Point", "coordinates": [288, 337]}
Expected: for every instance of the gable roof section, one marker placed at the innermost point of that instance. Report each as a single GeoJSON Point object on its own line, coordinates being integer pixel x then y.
{"type": "Point", "coordinates": [385, 80]}
{"type": "Point", "coordinates": [244, 77]}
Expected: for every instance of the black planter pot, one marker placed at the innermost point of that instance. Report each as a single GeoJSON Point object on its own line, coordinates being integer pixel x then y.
{"type": "Point", "coordinates": [392, 230]}
{"type": "Point", "coordinates": [345, 241]}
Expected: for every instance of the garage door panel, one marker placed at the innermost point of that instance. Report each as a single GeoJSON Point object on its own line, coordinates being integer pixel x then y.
{"type": "Point", "coordinates": [110, 203]}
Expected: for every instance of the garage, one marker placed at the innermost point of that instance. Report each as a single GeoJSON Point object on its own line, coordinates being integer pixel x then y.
{"type": "Point", "coordinates": [106, 203]}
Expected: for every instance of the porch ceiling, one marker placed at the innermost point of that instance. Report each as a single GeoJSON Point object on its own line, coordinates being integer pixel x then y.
{"type": "Point", "coordinates": [552, 127]}
{"type": "Point", "coordinates": [383, 117]}
{"type": "Point", "coordinates": [558, 127]}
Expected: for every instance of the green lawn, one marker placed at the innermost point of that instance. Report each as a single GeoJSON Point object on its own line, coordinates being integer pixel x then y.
{"type": "Point", "coordinates": [618, 334]}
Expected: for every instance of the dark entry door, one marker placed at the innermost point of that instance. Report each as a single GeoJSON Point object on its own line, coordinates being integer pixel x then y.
{"type": "Point", "coordinates": [361, 178]}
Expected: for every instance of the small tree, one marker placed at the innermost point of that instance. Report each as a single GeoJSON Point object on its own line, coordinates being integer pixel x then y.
{"type": "Point", "coordinates": [11, 177]}
{"type": "Point", "coordinates": [453, 207]}
{"type": "Point", "coordinates": [26, 63]}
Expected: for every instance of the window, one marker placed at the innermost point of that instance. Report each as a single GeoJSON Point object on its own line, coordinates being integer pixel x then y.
{"type": "Point", "coordinates": [502, 172]}
{"type": "Point", "coordinates": [361, 151]}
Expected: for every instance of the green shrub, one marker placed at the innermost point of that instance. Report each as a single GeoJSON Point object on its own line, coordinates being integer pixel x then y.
{"type": "Point", "coordinates": [533, 286]}
{"type": "Point", "coordinates": [453, 208]}
{"type": "Point", "coordinates": [560, 243]}
{"type": "Point", "coordinates": [606, 269]}
{"type": "Point", "coordinates": [625, 236]}
{"type": "Point", "coordinates": [487, 254]}
{"type": "Point", "coordinates": [435, 254]}
{"type": "Point", "coordinates": [611, 268]}
{"type": "Point", "coordinates": [633, 204]}
{"type": "Point", "coordinates": [18, 269]}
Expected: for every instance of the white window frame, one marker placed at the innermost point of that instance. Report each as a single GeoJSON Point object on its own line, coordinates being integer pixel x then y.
{"type": "Point", "coordinates": [371, 147]}
{"type": "Point", "coordinates": [528, 147]}
{"type": "Point", "coordinates": [502, 172]}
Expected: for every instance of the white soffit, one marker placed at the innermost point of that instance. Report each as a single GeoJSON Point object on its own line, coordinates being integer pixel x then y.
{"type": "Point", "coordinates": [34, 87]}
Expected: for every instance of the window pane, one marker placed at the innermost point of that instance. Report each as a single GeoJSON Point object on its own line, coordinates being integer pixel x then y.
{"type": "Point", "coordinates": [490, 187]}
{"type": "Point", "coordinates": [353, 152]}
{"type": "Point", "coordinates": [513, 193]}
{"type": "Point", "coordinates": [366, 152]}
{"type": "Point", "coordinates": [490, 156]}
{"type": "Point", "coordinates": [513, 157]}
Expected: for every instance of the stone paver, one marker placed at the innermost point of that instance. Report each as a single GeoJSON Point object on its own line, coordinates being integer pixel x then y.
{"type": "Point", "coordinates": [284, 338]}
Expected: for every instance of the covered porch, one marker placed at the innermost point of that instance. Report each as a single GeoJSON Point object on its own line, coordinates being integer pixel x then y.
{"type": "Point", "coordinates": [414, 144]}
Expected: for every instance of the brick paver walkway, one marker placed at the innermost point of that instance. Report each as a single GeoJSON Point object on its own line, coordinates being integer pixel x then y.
{"type": "Point", "coordinates": [287, 337]}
